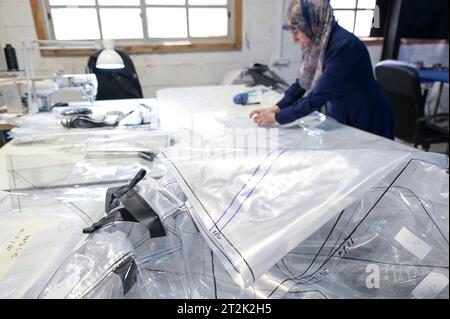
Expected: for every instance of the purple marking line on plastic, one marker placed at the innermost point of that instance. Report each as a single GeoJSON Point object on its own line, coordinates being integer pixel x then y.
{"type": "Point", "coordinates": [251, 192]}
{"type": "Point", "coordinates": [242, 188]}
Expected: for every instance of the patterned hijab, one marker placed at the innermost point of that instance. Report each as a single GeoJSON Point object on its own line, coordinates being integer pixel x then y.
{"type": "Point", "coordinates": [315, 19]}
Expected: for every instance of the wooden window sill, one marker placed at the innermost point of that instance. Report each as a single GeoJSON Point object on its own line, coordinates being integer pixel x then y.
{"type": "Point", "coordinates": [372, 41]}
{"type": "Point", "coordinates": [406, 41]}
{"type": "Point", "coordinates": [153, 48]}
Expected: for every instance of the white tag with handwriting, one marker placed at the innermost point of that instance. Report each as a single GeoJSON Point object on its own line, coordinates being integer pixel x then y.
{"type": "Point", "coordinates": [412, 243]}
{"type": "Point", "coordinates": [431, 286]}
{"type": "Point", "coordinates": [12, 250]}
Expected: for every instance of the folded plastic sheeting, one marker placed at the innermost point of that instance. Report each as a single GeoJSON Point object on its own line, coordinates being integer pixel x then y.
{"type": "Point", "coordinates": [122, 261]}
{"type": "Point", "coordinates": [393, 243]}
{"type": "Point", "coordinates": [37, 233]}
{"type": "Point", "coordinates": [255, 208]}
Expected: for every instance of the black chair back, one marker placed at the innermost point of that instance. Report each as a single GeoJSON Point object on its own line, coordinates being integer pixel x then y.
{"type": "Point", "coordinates": [116, 84]}
{"type": "Point", "coordinates": [402, 85]}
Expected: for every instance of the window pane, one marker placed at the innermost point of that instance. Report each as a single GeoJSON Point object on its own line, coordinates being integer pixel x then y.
{"type": "Point", "coordinates": [346, 19]}
{"type": "Point", "coordinates": [366, 4]}
{"type": "Point", "coordinates": [207, 22]}
{"type": "Point", "coordinates": [167, 22]}
{"type": "Point", "coordinates": [130, 26]}
{"type": "Point", "coordinates": [72, 2]}
{"type": "Point", "coordinates": [363, 23]}
{"type": "Point", "coordinates": [166, 2]}
{"type": "Point", "coordinates": [119, 2]}
{"type": "Point", "coordinates": [207, 2]}
{"type": "Point", "coordinates": [66, 23]}
{"type": "Point", "coordinates": [343, 4]}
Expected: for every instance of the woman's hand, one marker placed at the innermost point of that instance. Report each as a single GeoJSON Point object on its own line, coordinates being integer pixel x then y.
{"type": "Point", "coordinates": [272, 109]}
{"type": "Point", "coordinates": [265, 117]}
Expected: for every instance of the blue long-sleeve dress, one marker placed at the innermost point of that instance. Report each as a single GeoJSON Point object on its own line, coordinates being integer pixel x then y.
{"type": "Point", "coordinates": [347, 88]}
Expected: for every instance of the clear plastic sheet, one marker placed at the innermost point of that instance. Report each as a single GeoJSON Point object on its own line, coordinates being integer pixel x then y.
{"type": "Point", "coordinates": [391, 244]}
{"type": "Point", "coordinates": [53, 171]}
{"type": "Point", "coordinates": [109, 263]}
{"type": "Point", "coordinates": [386, 236]}
{"type": "Point", "coordinates": [254, 207]}
{"type": "Point", "coordinates": [34, 123]}
{"type": "Point", "coordinates": [360, 253]}
{"type": "Point", "coordinates": [315, 131]}
{"type": "Point", "coordinates": [131, 139]}
{"type": "Point", "coordinates": [179, 265]}
{"type": "Point", "coordinates": [37, 233]}
{"type": "Point", "coordinates": [84, 272]}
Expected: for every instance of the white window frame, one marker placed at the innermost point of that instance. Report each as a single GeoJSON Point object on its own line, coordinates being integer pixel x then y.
{"type": "Point", "coordinates": [356, 10]}
{"type": "Point", "coordinates": [42, 16]}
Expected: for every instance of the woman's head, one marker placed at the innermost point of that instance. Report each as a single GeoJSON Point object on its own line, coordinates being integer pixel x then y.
{"type": "Point", "coordinates": [311, 23]}
{"type": "Point", "coordinates": [299, 37]}
{"type": "Point", "coordinates": [305, 20]}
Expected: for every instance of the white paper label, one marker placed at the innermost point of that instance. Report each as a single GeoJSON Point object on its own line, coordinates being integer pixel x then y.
{"type": "Point", "coordinates": [412, 243]}
{"type": "Point", "coordinates": [431, 286]}
{"type": "Point", "coordinates": [13, 249]}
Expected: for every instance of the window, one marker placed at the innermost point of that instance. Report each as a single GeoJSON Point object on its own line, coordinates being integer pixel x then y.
{"type": "Point", "coordinates": [143, 25]}
{"type": "Point", "coordinates": [357, 16]}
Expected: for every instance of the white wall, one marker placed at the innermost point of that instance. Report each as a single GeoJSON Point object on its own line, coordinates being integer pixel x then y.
{"type": "Point", "coordinates": [2, 61]}
{"type": "Point", "coordinates": [159, 70]}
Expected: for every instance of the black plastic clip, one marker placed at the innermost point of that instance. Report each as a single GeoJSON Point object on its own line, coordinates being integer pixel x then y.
{"type": "Point", "coordinates": [113, 194]}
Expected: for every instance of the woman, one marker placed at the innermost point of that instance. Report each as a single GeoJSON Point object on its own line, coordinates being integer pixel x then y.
{"type": "Point", "coordinates": [336, 72]}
